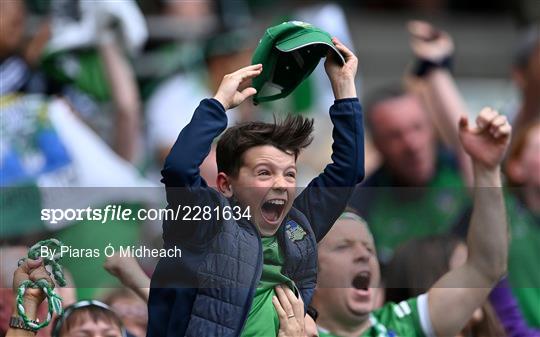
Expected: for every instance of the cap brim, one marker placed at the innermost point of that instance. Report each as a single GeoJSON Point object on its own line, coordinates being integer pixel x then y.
{"type": "Point", "coordinates": [308, 39]}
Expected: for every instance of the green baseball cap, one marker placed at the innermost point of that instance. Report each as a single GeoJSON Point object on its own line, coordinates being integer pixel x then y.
{"type": "Point", "coordinates": [289, 52]}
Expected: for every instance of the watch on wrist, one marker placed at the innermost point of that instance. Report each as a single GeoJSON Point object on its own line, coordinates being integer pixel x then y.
{"type": "Point", "coordinates": [18, 323]}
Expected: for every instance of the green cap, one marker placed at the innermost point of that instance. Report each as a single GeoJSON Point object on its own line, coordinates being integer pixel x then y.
{"type": "Point", "coordinates": [289, 52]}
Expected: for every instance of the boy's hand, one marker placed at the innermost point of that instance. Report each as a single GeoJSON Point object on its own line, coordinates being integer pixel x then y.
{"type": "Point", "coordinates": [341, 76]}
{"type": "Point", "coordinates": [229, 94]}
{"type": "Point", "coordinates": [487, 142]}
{"type": "Point", "coordinates": [428, 43]}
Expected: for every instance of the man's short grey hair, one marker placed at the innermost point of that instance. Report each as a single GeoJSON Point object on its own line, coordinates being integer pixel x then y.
{"type": "Point", "coordinates": [351, 215]}
{"type": "Point", "coordinates": [348, 215]}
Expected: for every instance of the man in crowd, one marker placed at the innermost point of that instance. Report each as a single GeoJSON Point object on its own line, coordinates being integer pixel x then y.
{"type": "Point", "coordinates": [433, 45]}
{"type": "Point", "coordinates": [349, 269]}
{"type": "Point", "coordinates": [425, 195]}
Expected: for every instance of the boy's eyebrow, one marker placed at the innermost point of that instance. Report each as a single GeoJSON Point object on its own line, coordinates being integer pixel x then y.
{"type": "Point", "coordinates": [260, 164]}
{"type": "Point", "coordinates": [267, 163]}
{"type": "Point", "coordinates": [291, 167]}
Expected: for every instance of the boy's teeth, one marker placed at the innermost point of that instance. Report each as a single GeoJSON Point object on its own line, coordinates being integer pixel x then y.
{"type": "Point", "coordinates": [277, 202]}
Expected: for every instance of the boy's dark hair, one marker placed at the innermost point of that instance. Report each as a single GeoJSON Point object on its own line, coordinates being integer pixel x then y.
{"type": "Point", "coordinates": [289, 135]}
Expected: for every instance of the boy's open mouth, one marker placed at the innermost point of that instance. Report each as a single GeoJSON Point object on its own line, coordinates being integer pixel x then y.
{"type": "Point", "coordinates": [272, 209]}
{"type": "Point", "coordinates": [361, 280]}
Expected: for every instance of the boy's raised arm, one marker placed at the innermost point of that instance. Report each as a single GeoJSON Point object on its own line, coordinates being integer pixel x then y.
{"type": "Point", "coordinates": [326, 196]}
{"type": "Point", "coordinates": [181, 167]}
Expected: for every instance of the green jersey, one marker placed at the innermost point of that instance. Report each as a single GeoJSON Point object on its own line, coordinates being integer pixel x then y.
{"type": "Point", "coordinates": [398, 214]}
{"type": "Point", "coordinates": [523, 265]}
{"type": "Point", "coordinates": [406, 319]}
{"type": "Point", "coordinates": [262, 318]}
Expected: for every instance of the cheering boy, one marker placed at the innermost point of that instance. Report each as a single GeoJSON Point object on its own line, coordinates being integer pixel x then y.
{"type": "Point", "coordinates": [224, 282]}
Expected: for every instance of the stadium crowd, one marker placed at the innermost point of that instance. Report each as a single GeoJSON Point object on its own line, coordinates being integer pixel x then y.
{"type": "Point", "coordinates": [435, 229]}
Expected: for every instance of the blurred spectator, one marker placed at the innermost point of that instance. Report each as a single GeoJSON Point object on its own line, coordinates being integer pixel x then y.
{"type": "Point", "coordinates": [416, 132]}
{"type": "Point", "coordinates": [434, 51]}
{"type": "Point", "coordinates": [188, 10]}
{"type": "Point", "coordinates": [171, 106]}
{"type": "Point", "coordinates": [349, 269]}
{"type": "Point", "coordinates": [45, 156]}
{"type": "Point", "coordinates": [526, 75]}
{"type": "Point", "coordinates": [15, 72]}
{"type": "Point", "coordinates": [88, 318]}
{"type": "Point", "coordinates": [523, 165]}
{"type": "Point", "coordinates": [46, 147]}
{"type": "Point", "coordinates": [419, 263]}
{"type": "Point", "coordinates": [523, 170]}
{"type": "Point", "coordinates": [60, 69]}
{"type": "Point", "coordinates": [13, 17]}
{"type": "Point", "coordinates": [418, 191]}
{"type": "Point", "coordinates": [87, 58]}
{"type": "Point", "coordinates": [131, 310]}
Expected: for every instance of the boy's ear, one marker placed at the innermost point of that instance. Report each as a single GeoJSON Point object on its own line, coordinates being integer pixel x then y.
{"type": "Point", "coordinates": [224, 186]}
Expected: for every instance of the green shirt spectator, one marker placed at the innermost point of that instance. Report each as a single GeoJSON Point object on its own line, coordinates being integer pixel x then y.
{"type": "Point", "coordinates": [408, 318]}
{"type": "Point", "coordinates": [398, 214]}
{"type": "Point", "coordinates": [523, 271]}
